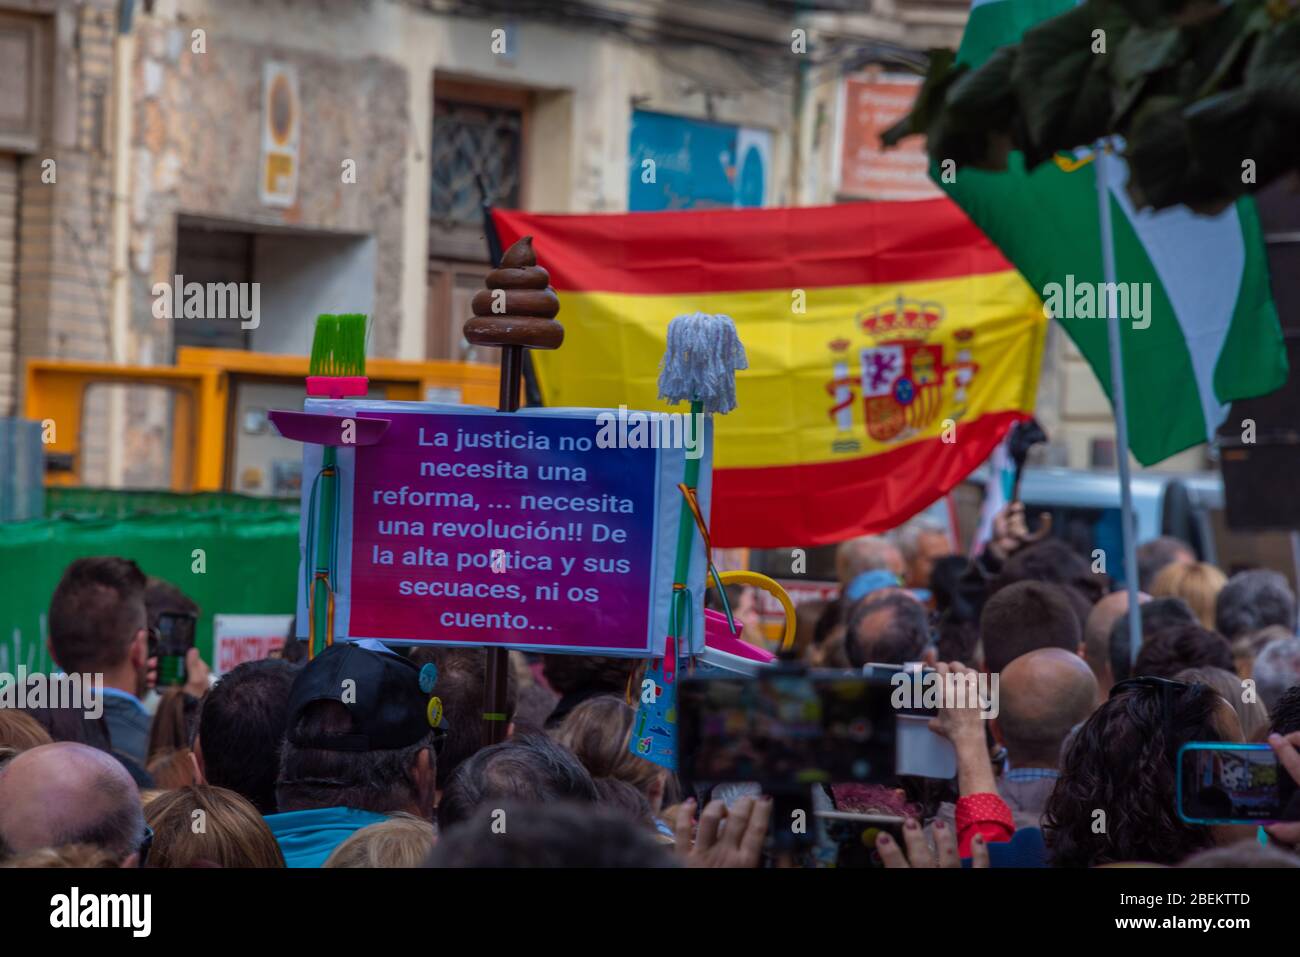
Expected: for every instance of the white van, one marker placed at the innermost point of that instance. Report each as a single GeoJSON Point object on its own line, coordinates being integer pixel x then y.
{"type": "Point", "coordinates": [1085, 510]}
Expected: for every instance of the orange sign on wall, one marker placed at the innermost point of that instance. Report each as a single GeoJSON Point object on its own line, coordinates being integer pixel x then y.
{"type": "Point", "coordinates": [873, 102]}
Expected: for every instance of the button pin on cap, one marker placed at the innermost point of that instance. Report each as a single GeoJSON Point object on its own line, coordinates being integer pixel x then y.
{"type": "Point", "coordinates": [428, 677]}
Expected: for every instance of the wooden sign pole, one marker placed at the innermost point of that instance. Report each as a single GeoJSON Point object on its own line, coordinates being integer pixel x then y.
{"type": "Point", "coordinates": [515, 312]}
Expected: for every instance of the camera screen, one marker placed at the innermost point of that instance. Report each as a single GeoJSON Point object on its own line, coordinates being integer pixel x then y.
{"type": "Point", "coordinates": [1238, 784]}
{"type": "Point", "coordinates": [784, 730]}
{"type": "Point", "coordinates": [175, 634]}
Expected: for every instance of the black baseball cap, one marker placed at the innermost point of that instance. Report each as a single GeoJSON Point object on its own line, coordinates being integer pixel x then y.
{"type": "Point", "coordinates": [380, 689]}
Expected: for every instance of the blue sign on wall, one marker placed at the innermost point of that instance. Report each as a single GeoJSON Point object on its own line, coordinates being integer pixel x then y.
{"type": "Point", "coordinates": [679, 163]}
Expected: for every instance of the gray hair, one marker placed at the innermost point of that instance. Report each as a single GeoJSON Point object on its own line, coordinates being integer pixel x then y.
{"type": "Point", "coordinates": [909, 535]}
{"type": "Point", "coordinates": [865, 553]}
{"type": "Point", "coordinates": [119, 831]}
{"type": "Point", "coordinates": [380, 781]}
{"type": "Point", "coordinates": [1277, 668]}
{"type": "Point", "coordinates": [1250, 644]}
{"type": "Point", "coordinates": [1253, 600]}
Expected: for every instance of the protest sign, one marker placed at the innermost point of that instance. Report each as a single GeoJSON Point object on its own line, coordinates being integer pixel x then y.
{"type": "Point", "coordinates": [240, 638]}
{"type": "Point", "coordinates": [544, 530]}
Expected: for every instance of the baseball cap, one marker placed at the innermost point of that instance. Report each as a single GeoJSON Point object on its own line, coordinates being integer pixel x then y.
{"type": "Point", "coordinates": [381, 690]}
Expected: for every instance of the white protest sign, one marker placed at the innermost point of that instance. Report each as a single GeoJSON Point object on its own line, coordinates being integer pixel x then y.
{"type": "Point", "coordinates": [240, 638]}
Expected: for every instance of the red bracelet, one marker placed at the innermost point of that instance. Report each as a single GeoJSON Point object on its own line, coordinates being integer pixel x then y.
{"type": "Point", "coordinates": [986, 807]}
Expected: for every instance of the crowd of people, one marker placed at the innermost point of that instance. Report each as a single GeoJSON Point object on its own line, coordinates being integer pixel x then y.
{"type": "Point", "coordinates": [365, 757]}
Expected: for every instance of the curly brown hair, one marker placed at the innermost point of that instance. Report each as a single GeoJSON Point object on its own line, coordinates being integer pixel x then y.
{"type": "Point", "coordinates": [1121, 763]}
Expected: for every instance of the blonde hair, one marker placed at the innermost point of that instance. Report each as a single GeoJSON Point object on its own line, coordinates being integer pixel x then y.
{"type": "Point", "coordinates": [233, 833]}
{"type": "Point", "coordinates": [404, 840]}
{"type": "Point", "coordinates": [1252, 714]}
{"type": "Point", "coordinates": [1197, 583]}
{"type": "Point", "coordinates": [598, 731]}
{"type": "Point", "coordinates": [172, 769]}
{"type": "Point", "coordinates": [20, 731]}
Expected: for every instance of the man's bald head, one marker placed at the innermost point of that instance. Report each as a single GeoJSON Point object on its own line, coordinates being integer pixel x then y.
{"type": "Point", "coordinates": [68, 793]}
{"type": "Point", "coordinates": [1043, 694]}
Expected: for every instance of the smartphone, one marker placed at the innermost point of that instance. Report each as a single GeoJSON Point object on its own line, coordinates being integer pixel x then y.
{"type": "Point", "coordinates": [790, 728]}
{"type": "Point", "coordinates": [1234, 784]}
{"type": "Point", "coordinates": [921, 752]}
{"type": "Point", "coordinates": [855, 835]}
{"type": "Point", "coordinates": [175, 639]}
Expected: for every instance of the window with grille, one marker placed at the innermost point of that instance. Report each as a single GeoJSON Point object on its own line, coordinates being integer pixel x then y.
{"type": "Point", "coordinates": [472, 140]}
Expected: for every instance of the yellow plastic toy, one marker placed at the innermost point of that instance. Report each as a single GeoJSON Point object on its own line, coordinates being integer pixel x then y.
{"type": "Point", "coordinates": [772, 588]}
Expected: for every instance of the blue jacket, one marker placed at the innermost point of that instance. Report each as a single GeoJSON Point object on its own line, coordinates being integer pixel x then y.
{"type": "Point", "coordinates": [307, 838]}
{"type": "Point", "coordinates": [128, 724]}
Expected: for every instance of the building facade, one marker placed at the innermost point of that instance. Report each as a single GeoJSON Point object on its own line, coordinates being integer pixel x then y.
{"type": "Point", "coordinates": [335, 155]}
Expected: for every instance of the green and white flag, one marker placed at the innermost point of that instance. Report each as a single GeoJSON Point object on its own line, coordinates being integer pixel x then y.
{"type": "Point", "coordinates": [1199, 326]}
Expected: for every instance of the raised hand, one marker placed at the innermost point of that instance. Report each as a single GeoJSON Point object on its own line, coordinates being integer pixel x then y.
{"type": "Point", "coordinates": [920, 854]}
{"type": "Point", "coordinates": [737, 843]}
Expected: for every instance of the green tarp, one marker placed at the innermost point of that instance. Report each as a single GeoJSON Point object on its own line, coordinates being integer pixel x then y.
{"type": "Point", "coordinates": [249, 557]}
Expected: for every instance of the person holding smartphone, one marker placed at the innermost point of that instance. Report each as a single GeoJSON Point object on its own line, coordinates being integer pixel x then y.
{"type": "Point", "coordinates": [173, 619]}
{"type": "Point", "coordinates": [982, 816]}
{"type": "Point", "coordinates": [98, 626]}
{"type": "Point", "coordinates": [1288, 756]}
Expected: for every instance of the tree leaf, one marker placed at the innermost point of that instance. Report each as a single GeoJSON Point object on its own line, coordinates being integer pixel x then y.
{"type": "Point", "coordinates": [1222, 131]}
{"type": "Point", "coordinates": [1143, 53]}
{"type": "Point", "coordinates": [1147, 50]}
{"type": "Point", "coordinates": [929, 102]}
{"type": "Point", "coordinates": [1229, 41]}
{"type": "Point", "coordinates": [1163, 170]}
{"type": "Point", "coordinates": [1151, 12]}
{"type": "Point", "coordinates": [1273, 72]}
{"type": "Point", "coordinates": [1063, 88]}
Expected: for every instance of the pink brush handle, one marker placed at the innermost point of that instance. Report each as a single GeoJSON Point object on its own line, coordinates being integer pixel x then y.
{"type": "Point", "coordinates": [337, 387]}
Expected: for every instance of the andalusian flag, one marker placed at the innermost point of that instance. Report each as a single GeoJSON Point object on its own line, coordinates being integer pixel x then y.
{"type": "Point", "coordinates": [1199, 327]}
{"type": "Point", "coordinates": [890, 348]}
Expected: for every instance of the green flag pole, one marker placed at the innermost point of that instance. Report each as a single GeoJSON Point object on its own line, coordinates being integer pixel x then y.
{"type": "Point", "coordinates": [1101, 166]}
{"type": "Point", "coordinates": [700, 362]}
{"type": "Point", "coordinates": [337, 369]}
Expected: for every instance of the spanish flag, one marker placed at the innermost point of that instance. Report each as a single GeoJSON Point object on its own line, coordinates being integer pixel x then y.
{"type": "Point", "coordinates": [890, 348]}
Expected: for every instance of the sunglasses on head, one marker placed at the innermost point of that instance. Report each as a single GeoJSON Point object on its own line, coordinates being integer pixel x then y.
{"type": "Point", "coordinates": [146, 842]}
{"type": "Point", "coordinates": [1168, 688]}
{"type": "Point", "coordinates": [1166, 685]}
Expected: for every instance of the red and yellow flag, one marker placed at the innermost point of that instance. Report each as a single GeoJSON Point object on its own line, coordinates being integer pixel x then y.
{"type": "Point", "coordinates": [890, 348]}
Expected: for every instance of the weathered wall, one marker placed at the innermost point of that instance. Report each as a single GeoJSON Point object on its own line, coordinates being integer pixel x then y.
{"type": "Point", "coordinates": [197, 145]}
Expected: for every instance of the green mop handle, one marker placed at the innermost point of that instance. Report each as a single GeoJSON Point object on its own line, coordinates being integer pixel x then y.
{"type": "Point", "coordinates": [321, 584]}
{"type": "Point", "coordinates": [685, 538]}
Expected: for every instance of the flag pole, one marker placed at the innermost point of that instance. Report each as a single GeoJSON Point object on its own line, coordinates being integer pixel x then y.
{"type": "Point", "coordinates": [1128, 532]}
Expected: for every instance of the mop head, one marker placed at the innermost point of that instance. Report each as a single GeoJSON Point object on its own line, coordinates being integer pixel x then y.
{"type": "Point", "coordinates": [703, 355]}
{"type": "Point", "coordinates": [338, 348]}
